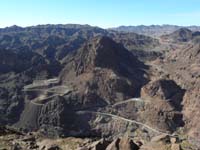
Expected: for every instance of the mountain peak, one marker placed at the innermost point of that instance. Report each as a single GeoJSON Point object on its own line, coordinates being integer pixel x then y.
{"type": "Point", "coordinates": [180, 35]}
{"type": "Point", "coordinates": [183, 31]}
{"type": "Point", "coordinates": [103, 52]}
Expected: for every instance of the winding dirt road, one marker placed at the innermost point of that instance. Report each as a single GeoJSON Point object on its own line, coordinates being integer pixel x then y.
{"type": "Point", "coordinates": [130, 100]}
{"type": "Point", "coordinates": [127, 120]}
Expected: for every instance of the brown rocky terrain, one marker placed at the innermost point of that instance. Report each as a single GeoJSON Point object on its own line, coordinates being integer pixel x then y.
{"type": "Point", "coordinates": [82, 87]}
{"type": "Point", "coordinates": [181, 65]}
{"type": "Point", "coordinates": [181, 35]}
{"type": "Point", "coordinates": [154, 30]}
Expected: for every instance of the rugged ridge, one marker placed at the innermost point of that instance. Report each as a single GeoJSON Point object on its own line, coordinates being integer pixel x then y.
{"type": "Point", "coordinates": [101, 73]}
{"type": "Point", "coordinates": [154, 30]}
{"type": "Point", "coordinates": [35, 53]}
{"type": "Point", "coordinates": [87, 82]}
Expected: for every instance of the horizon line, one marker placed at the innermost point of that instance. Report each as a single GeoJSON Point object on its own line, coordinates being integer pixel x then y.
{"type": "Point", "coordinates": [45, 24]}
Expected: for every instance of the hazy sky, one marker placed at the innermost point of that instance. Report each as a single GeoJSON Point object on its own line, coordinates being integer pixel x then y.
{"type": "Point", "coordinates": [103, 13]}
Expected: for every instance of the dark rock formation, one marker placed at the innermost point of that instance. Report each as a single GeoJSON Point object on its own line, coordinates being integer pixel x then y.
{"type": "Point", "coordinates": [123, 143]}
{"type": "Point", "coordinates": [166, 104]}
{"type": "Point", "coordinates": [100, 73]}
{"type": "Point", "coordinates": [166, 90]}
{"type": "Point", "coordinates": [181, 35]}
{"type": "Point", "coordinates": [105, 69]}
{"type": "Point", "coordinates": [191, 114]}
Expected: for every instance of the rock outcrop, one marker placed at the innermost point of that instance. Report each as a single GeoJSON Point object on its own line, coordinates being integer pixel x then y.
{"type": "Point", "coordinates": [166, 90]}
{"type": "Point", "coordinates": [106, 70]}
{"type": "Point", "coordinates": [191, 114]}
{"type": "Point", "coordinates": [166, 98]}
{"type": "Point", "coordinates": [180, 35]}
{"type": "Point", "coordinates": [123, 143]}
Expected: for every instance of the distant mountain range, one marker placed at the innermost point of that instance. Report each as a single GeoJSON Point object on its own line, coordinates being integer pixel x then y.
{"type": "Point", "coordinates": [148, 30]}
{"type": "Point", "coordinates": [154, 30]}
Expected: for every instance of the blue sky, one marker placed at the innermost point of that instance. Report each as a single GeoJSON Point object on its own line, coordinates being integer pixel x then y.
{"type": "Point", "coordinates": [103, 13]}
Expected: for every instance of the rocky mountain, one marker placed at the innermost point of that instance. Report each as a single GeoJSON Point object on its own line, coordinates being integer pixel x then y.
{"type": "Point", "coordinates": [94, 81]}
{"type": "Point", "coordinates": [182, 35]}
{"type": "Point", "coordinates": [183, 67]}
{"type": "Point", "coordinates": [92, 88]}
{"type": "Point", "coordinates": [133, 41]}
{"type": "Point", "coordinates": [154, 30]}
{"type": "Point", "coordinates": [39, 53]}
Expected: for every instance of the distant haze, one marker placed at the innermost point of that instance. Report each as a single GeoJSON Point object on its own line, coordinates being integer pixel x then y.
{"type": "Point", "coordinates": [154, 30]}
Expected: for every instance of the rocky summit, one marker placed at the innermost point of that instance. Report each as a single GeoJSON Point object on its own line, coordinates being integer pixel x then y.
{"type": "Point", "coordinates": [79, 87]}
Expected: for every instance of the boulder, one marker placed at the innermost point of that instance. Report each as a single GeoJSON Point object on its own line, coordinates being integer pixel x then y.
{"type": "Point", "coordinates": [99, 145]}
{"type": "Point", "coordinates": [124, 143]}
{"type": "Point", "coordinates": [165, 90]}
{"type": "Point", "coordinates": [54, 147]}
{"type": "Point", "coordinates": [127, 144]}
{"type": "Point", "coordinates": [114, 145]}
{"type": "Point", "coordinates": [175, 147]}
{"type": "Point", "coordinates": [162, 137]}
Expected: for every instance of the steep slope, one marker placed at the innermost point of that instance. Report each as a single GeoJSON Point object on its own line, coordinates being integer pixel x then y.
{"type": "Point", "coordinates": [40, 52]}
{"type": "Point", "coordinates": [185, 69]}
{"type": "Point", "coordinates": [180, 35]}
{"type": "Point", "coordinates": [181, 64]}
{"type": "Point", "coordinates": [99, 74]}
{"type": "Point", "coordinates": [73, 80]}
{"type": "Point", "coordinates": [107, 90]}
{"type": "Point", "coordinates": [102, 61]}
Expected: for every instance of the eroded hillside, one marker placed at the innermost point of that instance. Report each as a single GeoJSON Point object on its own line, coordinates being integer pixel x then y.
{"type": "Point", "coordinates": [133, 91]}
